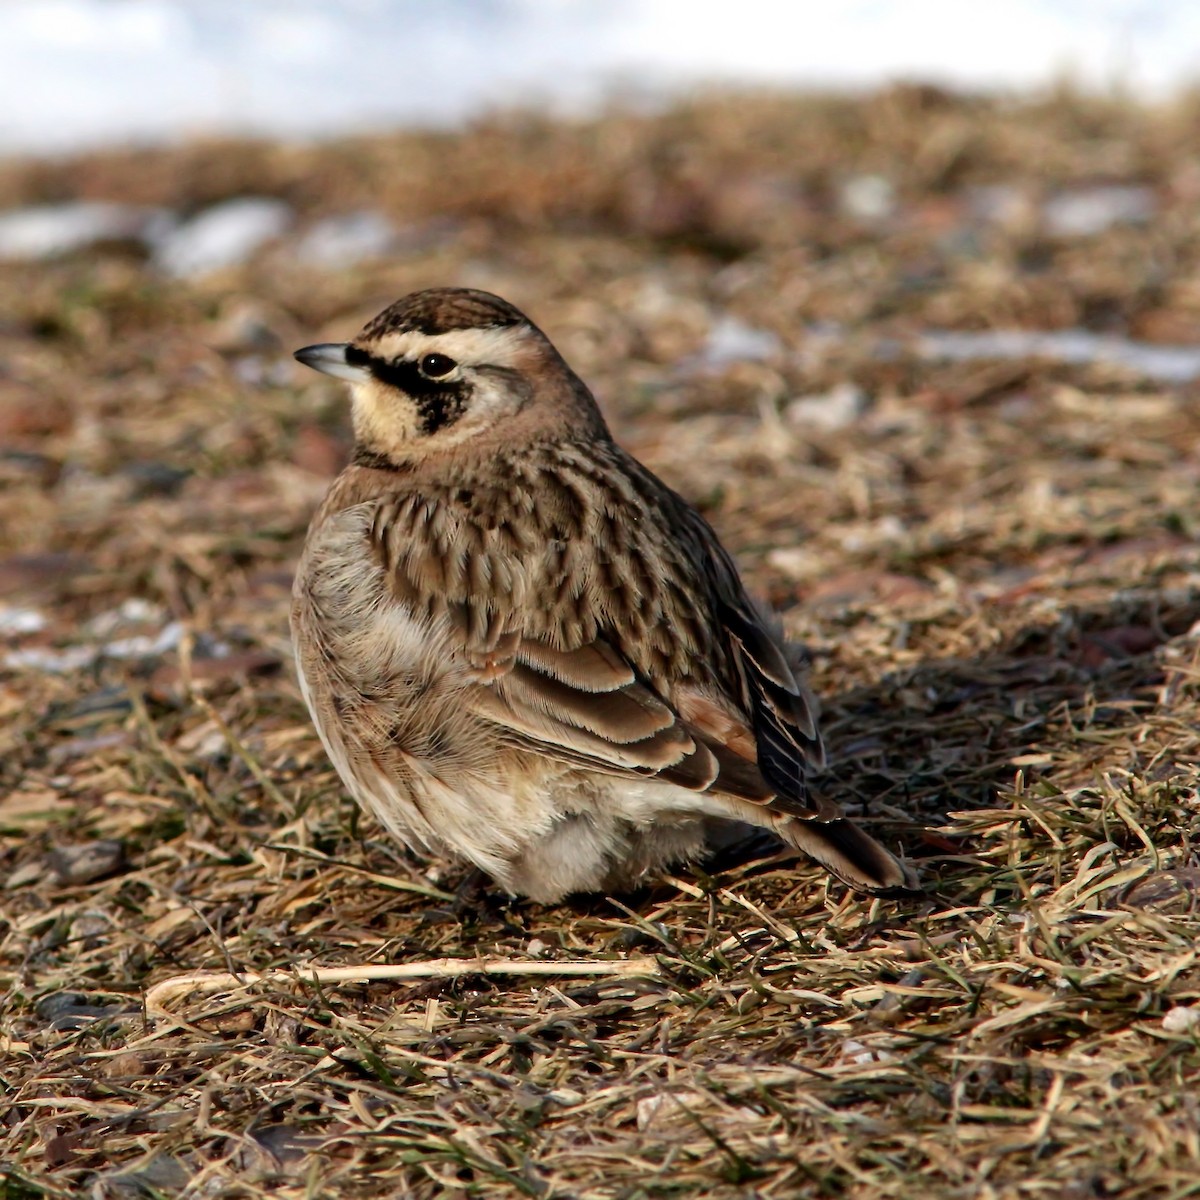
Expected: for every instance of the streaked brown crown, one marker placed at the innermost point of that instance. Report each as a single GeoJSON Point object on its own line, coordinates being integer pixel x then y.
{"type": "Point", "coordinates": [441, 310]}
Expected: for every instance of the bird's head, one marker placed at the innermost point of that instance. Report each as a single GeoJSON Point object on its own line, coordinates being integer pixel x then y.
{"type": "Point", "coordinates": [451, 368]}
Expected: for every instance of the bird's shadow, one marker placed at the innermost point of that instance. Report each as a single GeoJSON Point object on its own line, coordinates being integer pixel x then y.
{"type": "Point", "coordinates": [949, 735]}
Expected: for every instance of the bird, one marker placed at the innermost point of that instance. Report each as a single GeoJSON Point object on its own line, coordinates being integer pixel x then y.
{"type": "Point", "coordinates": [520, 648]}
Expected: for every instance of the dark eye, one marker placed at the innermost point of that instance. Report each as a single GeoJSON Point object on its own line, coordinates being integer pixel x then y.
{"type": "Point", "coordinates": [436, 365]}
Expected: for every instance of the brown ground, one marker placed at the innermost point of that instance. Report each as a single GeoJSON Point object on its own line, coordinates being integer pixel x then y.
{"type": "Point", "coordinates": [995, 564]}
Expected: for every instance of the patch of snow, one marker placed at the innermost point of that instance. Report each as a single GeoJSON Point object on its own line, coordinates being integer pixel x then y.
{"type": "Point", "coordinates": [225, 235]}
{"type": "Point", "coordinates": [842, 405]}
{"type": "Point", "coordinates": [50, 662]}
{"type": "Point", "coordinates": [15, 622]}
{"type": "Point", "coordinates": [50, 230]}
{"type": "Point", "coordinates": [133, 611]}
{"type": "Point", "coordinates": [346, 239]}
{"type": "Point", "coordinates": [1169, 364]}
{"type": "Point", "coordinates": [63, 660]}
{"type": "Point", "coordinates": [869, 198]}
{"type": "Point", "coordinates": [1085, 212]}
{"type": "Point", "coordinates": [731, 340]}
{"type": "Point", "coordinates": [144, 645]}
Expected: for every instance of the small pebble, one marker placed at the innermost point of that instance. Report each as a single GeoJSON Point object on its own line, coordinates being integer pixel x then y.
{"type": "Point", "coordinates": [87, 861]}
{"type": "Point", "coordinates": [26, 874]}
{"type": "Point", "coordinates": [72, 1010]}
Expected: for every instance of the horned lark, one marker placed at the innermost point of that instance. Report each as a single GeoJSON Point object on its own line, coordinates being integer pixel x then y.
{"type": "Point", "coordinates": [521, 647]}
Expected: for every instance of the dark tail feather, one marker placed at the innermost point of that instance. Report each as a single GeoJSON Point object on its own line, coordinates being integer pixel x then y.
{"type": "Point", "coordinates": [856, 858]}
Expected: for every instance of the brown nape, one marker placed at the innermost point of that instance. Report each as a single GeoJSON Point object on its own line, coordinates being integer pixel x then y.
{"type": "Point", "coordinates": [440, 310]}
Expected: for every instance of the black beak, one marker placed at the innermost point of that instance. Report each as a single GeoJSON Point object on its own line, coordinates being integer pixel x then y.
{"type": "Point", "coordinates": [330, 359]}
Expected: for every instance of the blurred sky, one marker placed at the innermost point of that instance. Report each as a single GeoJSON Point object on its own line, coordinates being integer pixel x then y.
{"type": "Point", "coordinates": [86, 72]}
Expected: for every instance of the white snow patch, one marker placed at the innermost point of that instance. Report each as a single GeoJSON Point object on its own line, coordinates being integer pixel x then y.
{"type": "Point", "coordinates": [132, 611]}
{"type": "Point", "coordinates": [16, 622]}
{"type": "Point", "coordinates": [731, 340]}
{"type": "Point", "coordinates": [49, 230]}
{"type": "Point", "coordinates": [225, 235]}
{"type": "Point", "coordinates": [344, 240]}
{"type": "Point", "coordinates": [1170, 364]}
{"type": "Point", "coordinates": [50, 662]}
{"type": "Point", "coordinates": [869, 198]}
{"type": "Point", "coordinates": [63, 660]}
{"type": "Point", "coordinates": [1085, 212]}
{"type": "Point", "coordinates": [144, 645]}
{"type": "Point", "coordinates": [842, 405]}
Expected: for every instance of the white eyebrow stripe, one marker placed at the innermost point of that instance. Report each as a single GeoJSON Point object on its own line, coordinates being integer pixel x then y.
{"type": "Point", "coordinates": [498, 347]}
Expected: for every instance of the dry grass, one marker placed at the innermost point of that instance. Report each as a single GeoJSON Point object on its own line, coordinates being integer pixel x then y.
{"type": "Point", "coordinates": [995, 565]}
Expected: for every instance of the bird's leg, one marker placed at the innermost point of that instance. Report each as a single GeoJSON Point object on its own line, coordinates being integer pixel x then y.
{"type": "Point", "coordinates": [476, 902]}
